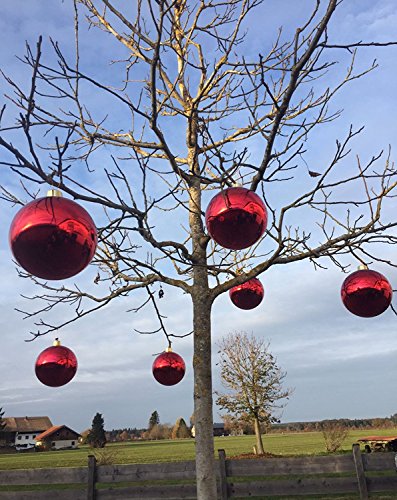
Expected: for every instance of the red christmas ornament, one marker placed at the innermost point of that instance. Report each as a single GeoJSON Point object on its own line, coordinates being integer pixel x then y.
{"type": "Point", "coordinates": [56, 365]}
{"type": "Point", "coordinates": [168, 368]}
{"type": "Point", "coordinates": [366, 293]}
{"type": "Point", "coordinates": [248, 295]}
{"type": "Point", "coordinates": [236, 218]}
{"type": "Point", "coordinates": [53, 238]}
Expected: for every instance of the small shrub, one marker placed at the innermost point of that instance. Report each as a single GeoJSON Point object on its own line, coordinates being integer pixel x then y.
{"type": "Point", "coordinates": [106, 456]}
{"type": "Point", "coordinates": [334, 435]}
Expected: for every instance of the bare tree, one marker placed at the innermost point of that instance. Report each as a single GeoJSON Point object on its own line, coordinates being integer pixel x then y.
{"type": "Point", "coordinates": [334, 434]}
{"type": "Point", "coordinates": [178, 112]}
{"type": "Point", "coordinates": [158, 431]}
{"type": "Point", "coordinates": [124, 436]}
{"type": "Point", "coordinates": [253, 380]}
{"type": "Point", "coordinates": [180, 430]}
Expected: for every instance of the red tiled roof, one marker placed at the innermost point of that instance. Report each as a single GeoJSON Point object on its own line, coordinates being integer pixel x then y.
{"type": "Point", "coordinates": [51, 431]}
{"type": "Point", "coordinates": [48, 432]}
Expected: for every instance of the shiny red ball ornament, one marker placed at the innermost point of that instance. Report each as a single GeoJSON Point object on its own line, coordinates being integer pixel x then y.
{"type": "Point", "coordinates": [247, 295]}
{"type": "Point", "coordinates": [53, 238]}
{"type": "Point", "coordinates": [168, 368]}
{"type": "Point", "coordinates": [56, 365]}
{"type": "Point", "coordinates": [236, 218]}
{"type": "Point", "coordinates": [366, 293]}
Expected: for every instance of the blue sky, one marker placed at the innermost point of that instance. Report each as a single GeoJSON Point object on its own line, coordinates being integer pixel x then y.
{"type": "Point", "coordinates": [339, 365]}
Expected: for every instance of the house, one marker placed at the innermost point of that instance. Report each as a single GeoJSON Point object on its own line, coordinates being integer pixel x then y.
{"type": "Point", "coordinates": [21, 432]}
{"type": "Point", "coordinates": [58, 437]}
{"type": "Point", "coordinates": [218, 430]}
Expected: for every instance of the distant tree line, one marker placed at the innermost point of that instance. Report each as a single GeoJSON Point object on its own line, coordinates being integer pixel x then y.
{"type": "Point", "coordinates": [125, 434]}
{"type": "Point", "coordinates": [239, 426]}
{"type": "Point", "coordinates": [357, 423]}
{"type": "Point", "coordinates": [154, 430]}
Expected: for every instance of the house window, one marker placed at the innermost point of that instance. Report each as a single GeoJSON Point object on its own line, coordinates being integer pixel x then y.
{"type": "Point", "coordinates": [73, 443]}
{"type": "Point", "coordinates": [53, 443]}
{"type": "Point", "coordinates": [34, 436]}
{"type": "Point", "coordinates": [19, 438]}
{"type": "Point", "coordinates": [26, 437]}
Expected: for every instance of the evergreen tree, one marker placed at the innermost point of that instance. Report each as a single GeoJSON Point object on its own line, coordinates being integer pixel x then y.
{"type": "Point", "coordinates": [2, 420]}
{"type": "Point", "coordinates": [2, 425]}
{"type": "Point", "coordinates": [96, 437]}
{"type": "Point", "coordinates": [153, 420]}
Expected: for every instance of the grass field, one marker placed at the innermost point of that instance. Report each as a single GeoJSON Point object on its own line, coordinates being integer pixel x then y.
{"type": "Point", "coordinates": [302, 443]}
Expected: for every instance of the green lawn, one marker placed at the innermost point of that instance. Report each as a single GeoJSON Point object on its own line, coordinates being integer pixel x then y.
{"type": "Point", "coordinates": [302, 443]}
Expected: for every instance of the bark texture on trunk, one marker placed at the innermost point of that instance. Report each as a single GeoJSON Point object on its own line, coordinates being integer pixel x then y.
{"type": "Point", "coordinates": [259, 443]}
{"type": "Point", "coordinates": [205, 460]}
{"type": "Point", "coordinates": [202, 303]}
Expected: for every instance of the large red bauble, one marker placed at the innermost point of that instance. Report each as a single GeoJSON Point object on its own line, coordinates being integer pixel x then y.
{"type": "Point", "coordinates": [366, 293]}
{"type": "Point", "coordinates": [53, 238]}
{"type": "Point", "coordinates": [236, 218]}
{"type": "Point", "coordinates": [56, 365]}
{"type": "Point", "coordinates": [248, 295]}
{"type": "Point", "coordinates": [168, 368]}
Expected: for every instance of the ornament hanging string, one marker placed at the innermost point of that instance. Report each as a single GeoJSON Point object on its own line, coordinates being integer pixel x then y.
{"type": "Point", "coordinates": [160, 317]}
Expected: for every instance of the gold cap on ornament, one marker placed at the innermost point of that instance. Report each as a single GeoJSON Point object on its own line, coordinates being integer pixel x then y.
{"type": "Point", "coordinates": [56, 342]}
{"type": "Point", "coordinates": [54, 192]}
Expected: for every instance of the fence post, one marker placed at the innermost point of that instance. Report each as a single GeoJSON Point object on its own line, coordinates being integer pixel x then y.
{"type": "Point", "coordinates": [358, 463]}
{"type": "Point", "coordinates": [223, 476]}
{"type": "Point", "coordinates": [91, 492]}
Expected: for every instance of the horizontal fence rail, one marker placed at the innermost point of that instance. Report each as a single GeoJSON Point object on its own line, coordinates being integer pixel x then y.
{"type": "Point", "coordinates": [300, 476]}
{"type": "Point", "coordinates": [288, 466]}
{"type": "Point", "coordinates": [65, 475]}
{"type": "Point", "coordinates": [146, 472]}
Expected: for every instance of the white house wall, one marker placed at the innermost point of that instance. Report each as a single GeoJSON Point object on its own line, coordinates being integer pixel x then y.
{"type": "Point", "coordinates": [67, 443]}
{"type": "Point", "coordinates": [25, 439]}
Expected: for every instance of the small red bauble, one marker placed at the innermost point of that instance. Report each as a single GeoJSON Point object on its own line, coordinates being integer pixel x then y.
{"type": "Point", "coordinates": [366, 293]}
{"type": "Point", "coordinates": [168, 368]}
{"type": "Point", "coordinates": [53, 238]}
{"type": "Point", "coordinates": [236, 218]}
{"type": "Point", "coordinates": [248, 295]}
{"type": "Point", "coordinates": [56, 365]}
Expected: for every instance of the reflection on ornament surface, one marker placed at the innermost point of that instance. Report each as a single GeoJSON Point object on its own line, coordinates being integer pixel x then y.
{"type": "Point", "coordinates": [247, 295]}
{"type": "Point", "coordinates": [236, 218]}
{"type": "Point", "coordinates": [168, 368]}
{"type": "Point", "coordinates": [53, 238]}
{"type": "Point", "coordinates": [56, 365]}
{"type": "Point", "coordinates": [366, 293]}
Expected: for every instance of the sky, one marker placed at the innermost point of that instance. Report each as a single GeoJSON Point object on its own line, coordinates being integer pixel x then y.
{"type": "Point", "coordinates": [338, 365]}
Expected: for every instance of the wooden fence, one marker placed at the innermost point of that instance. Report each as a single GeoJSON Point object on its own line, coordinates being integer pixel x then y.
{"type": "Point", "coordinates": [301, 476]}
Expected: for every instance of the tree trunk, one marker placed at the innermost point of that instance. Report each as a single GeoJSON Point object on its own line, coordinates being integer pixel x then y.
{"type": "Point", "coordinates": [202, 303]}
{"type": "Point", "coordinates": [205, 460]}
{"type": "Point", "coordinates": [259, 443]}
